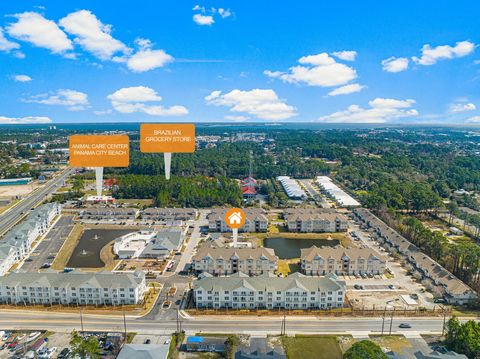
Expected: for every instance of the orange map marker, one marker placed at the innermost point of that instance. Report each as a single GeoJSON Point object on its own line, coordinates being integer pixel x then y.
{"type": "Point", "coordinates": [235, 219]}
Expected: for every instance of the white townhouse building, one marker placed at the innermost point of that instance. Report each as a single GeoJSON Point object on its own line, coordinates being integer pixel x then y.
{"type": "Point", "coordinates": [309, 220]}
{"type": "Point", "coordinates": [339, 260]}
{"type": "Point", "coordinates": [256, 221]}
{"type": "Point", "coordinates": [50, 287]}
{"type": "Point", "coordinates": [17, 243]}
{"type": "Point", "coordinates": [454, 290]}
{"type": "Point", "coordinates": [226, 261]}
{"type": "Point", "coordinates": [296, 291]}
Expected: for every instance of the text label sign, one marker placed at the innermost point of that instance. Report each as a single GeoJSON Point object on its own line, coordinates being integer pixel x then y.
{"type": "Point", "coordinates": [99, 151]}
{"type": "Point", "coordinates": [167, 138]}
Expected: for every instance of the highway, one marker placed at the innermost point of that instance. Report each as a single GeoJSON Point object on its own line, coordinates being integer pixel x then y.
{"type": "Point", "coordinates": [66, 322]}
{"type": "Point", "coordinates": [11, 217]}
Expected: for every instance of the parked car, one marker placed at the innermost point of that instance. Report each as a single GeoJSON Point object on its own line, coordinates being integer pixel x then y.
{"type": "Point", "coordinates": [64, 353]}
{"type": "Point", "coordinates": [147, 341]}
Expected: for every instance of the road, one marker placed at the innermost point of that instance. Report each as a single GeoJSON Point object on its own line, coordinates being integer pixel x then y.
{"type": "Point", "coordinates": [317, 196]}
{"type": "Point", "coordinates": [66, 322]}
{"type": "Point", "coordinates": [9, 218]}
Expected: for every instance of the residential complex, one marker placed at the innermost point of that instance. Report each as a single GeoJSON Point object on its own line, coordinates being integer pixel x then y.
{"type": "Point", "coordinates": [17, 243]}
{"type": "Point", "coordinates": [256, 221]}
{"type": "Point", "coordinates": [338, 194]}
{"type": "Point", "coordinates": [148, 244]}
{"type": "Point", "coordinates": [226, 261]}
{"type": "Point", "coordinates": [339, 260]}
{"type": "Point", "coordinates": [113, 213]}
{"type": "Point", "coordinates": [49, 287]}
{"type": "Point", "coordinates": [315, 220]}
{"type": "Point", "coordinates": [455, 291]}
{"type": "Point", "coordinates": [296, 291]}
{"type": "Point", "coordinates": [169, 214]}
{"type": "Point", "coordinates": [292, 188]}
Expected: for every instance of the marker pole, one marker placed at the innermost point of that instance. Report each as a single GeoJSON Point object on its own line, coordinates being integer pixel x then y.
{"type": "Point", "coordinates": [167, 156]}
{"type": "Point", "coordinates": [235, 236]}
{"type": "Point", "coordinates": [99, 180]}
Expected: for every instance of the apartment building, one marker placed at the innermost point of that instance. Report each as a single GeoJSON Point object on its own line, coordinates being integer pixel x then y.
{"type": "Point", "coordinates": [108, 213]}
{"type": "Point", "coordinates": [50, 287]}
{"type": "Point", "coordinates": [296, 291]}
{"type": "Point", "coordinates": [256, 221]}
{"type": "Point", "coordinates": [169, 214]}
{"type": "Point", "coordinates": [339, 260]}
{"type": "Point", "coordinates": [309, 220]}
{"type": "Point", "coordinates": [17, 243]}
{"type": "Point", "coordinates": [454, 290]}
{"type": "Point", "coordinates": [226, 261]}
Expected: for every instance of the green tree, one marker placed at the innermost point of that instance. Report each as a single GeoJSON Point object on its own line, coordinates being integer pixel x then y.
{"type": "Point", "coordinates": [84, 348]}
{"type": "Point", "coordinates": [365, 349]}
{"type": "Point", "coordinates": [464, 338]}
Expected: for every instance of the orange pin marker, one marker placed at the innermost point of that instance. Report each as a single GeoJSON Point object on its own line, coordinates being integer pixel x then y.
{"type": "Point", "coordinates": [235, 219]}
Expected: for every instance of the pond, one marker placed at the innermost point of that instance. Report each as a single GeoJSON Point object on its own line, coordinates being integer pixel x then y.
{"type": "Point", "coordinates": [87, 252]}
{"type": "Point", "coordinates": [288, 248]}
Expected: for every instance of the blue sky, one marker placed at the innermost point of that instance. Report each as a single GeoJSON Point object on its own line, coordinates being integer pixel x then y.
{"type": "Point", "coordinates": [198, 61]}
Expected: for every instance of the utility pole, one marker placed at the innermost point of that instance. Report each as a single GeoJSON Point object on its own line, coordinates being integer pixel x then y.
{"type": "Point", "coordinates": [178, 323]}
{"type": "Point", "coordinates": [125, 324]}
{"type": "Point", "coordinates": [81, 319]}
{"type": "Point", "coordinates": [391, 321]}
{"type": "Point", "coordinates": [284, 321]}
{"type": "Point", "coordinates": [383, 319]}
{"type": "Point", "coordinates": [444, 320]}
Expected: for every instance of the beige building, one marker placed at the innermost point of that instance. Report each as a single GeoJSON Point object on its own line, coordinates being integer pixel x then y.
{"type": "Point", "coordinates": [256, 221]}
{"type": "Point", "coordinates": [310, 220]}
{"type": "Point", "coordinates": [339, 260]}
{"type": "Point", "coordinates": [226, 261]}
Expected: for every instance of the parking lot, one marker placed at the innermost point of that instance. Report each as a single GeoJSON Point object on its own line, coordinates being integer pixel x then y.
{"type": "Point", "coordinates": [44, 344]}
{"type": "Point", "coordinates": [48, 248]}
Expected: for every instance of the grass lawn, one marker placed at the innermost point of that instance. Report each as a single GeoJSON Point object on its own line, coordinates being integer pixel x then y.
{"type": "Point", "coordinates": [395, 343]}
{"type": "Point", "coordinates": [308, 347]}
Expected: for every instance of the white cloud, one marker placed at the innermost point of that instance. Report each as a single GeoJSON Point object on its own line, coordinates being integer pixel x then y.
{"type": "Point", "coordinates": [237, 118]}
{"type": "Point", "coordinates": [103, 112]}
{"type": "Point", "coordinates": [35, 29]}
{"type": "Point", "coordinates": [146, 59]}
{"type": "Point", "coordinates": [203, 20]}
{"type": "Point", "coordinates": [461, 107]}
{"type": "Point", "coordinates": [347, 89]}
{"type": "Point", "coordinates": [474, 119]}
{"type": "Point", "coordinates": [73, 100]}
{"type": "Point", "coordinates": [394, 64]}
{"type": "Point", "coordinates": [92, 35]}
{"type": "Point", "coordinates": [345, 55]}
{"type": "Point", "coordinates": [224, 13]}
{"type": "Point", "coordinates": [317, 70]}
{"type": "Point", "coordinates": [381, 110]}
{"type": "Point", "coordinates": [5, 44]}
{"type": "Point", "coordinates": [22, 78]}
{"type": "Point", "coordinates": [24, 120]}
{"type": "Point", "coordinates": [135, 99]}
{"type": "Point", "coordinates": [263, 104]}
{"type": "Point", "coordinates": [431, 55]}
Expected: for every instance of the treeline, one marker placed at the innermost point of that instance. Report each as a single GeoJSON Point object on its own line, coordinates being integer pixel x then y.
{"type": "Point", "coordinates": [461, 258]}
{"type": "Point", "coordinates": [194, 191]}
{"type": "Point", "coordinates": [230, 160]}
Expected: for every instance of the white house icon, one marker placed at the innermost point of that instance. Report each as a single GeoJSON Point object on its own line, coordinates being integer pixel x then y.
{"type": "Point", "coordinates": [235, 218]}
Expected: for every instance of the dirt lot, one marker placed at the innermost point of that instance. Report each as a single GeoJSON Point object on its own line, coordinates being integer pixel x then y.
{"type": "Point", "coordinates": [19, 190]}
{"type": "Point", "coordinates": [148, 265]}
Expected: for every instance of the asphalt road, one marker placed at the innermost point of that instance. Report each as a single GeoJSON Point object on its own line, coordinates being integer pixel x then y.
{"type": "Point", "coordinates": [50, 245]}
{"type": "Point", "coordinates": [9, 218]}
{"type": "Point", "coordinates": [65, 322]}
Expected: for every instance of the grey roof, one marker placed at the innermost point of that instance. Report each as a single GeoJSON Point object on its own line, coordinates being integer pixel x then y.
{"type": "Point", "coordinates": [252, 214]}
{"type": "Point", "coordinates": [415, 255]}
{"type": "Point", "coordinates": [337, 253]}
{"type": "Point", "coordinates": [437, 355]}
{"type": "Point", "coordinates": [259, 348]}
{"type": "Point", "coordinates": [268, 282]}
{"type": "Point", "coordinates": [163, 243]}
{"type": "Point", "coordinates": [144, 351]}
{"type": "Point", "coordinates": [240, 253]}
{"type": "Point", "coordinates": [318, 214]}
{"type": "Point", "coordinates": [50, 278]}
